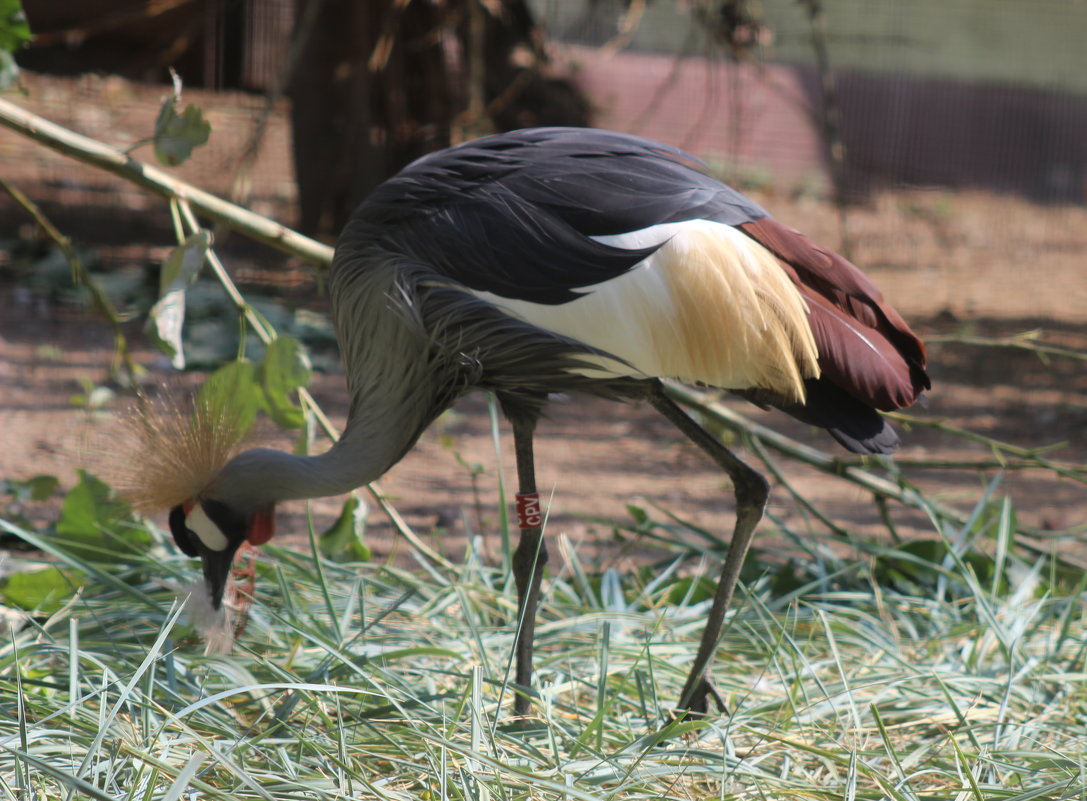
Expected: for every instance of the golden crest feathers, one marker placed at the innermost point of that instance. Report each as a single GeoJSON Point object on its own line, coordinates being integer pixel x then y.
{"type": "Point", "coordinates": [171, 449]}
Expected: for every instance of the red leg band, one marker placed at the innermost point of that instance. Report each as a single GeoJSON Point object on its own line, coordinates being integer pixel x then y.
{"type": "Point", "coordinates": [528, 510]}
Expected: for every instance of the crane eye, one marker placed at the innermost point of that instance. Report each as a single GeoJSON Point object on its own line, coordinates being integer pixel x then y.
{"type": "Point", "coordinates": [181, 533]}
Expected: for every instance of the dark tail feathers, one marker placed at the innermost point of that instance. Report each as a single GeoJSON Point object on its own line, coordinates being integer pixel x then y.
{"type": "Point", "coordinates": [856, 425]}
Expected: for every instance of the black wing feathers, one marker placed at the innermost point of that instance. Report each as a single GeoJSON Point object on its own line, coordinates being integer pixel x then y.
{"type": "Point", "coordinates": [500, 244]}
{"type": "Point", "coordinates": [855, 425]}
{"type": "Point", "coordinates": [513, 214]}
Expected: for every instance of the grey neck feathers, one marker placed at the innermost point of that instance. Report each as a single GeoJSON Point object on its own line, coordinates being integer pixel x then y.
{"type": "Point", "coordinates": [261, 477]}
{"type": "Point", "coordinates": [395, 385]}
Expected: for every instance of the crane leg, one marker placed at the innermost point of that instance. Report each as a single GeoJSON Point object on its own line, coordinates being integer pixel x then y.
{"type": "Point", "coordinates": [529, 558]}
{"type": "Point", "coordinates": [752, 492]}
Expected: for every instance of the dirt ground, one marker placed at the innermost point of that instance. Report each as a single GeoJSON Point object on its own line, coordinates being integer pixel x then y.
{"type": "Point", "coordinates": [954, 264]}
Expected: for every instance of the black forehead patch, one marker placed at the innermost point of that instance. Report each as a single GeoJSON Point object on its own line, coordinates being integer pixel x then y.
{"type": "Point", "coordinates": [181, 534]}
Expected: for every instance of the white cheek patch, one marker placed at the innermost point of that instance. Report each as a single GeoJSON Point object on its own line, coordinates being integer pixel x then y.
{"type": "Point", "coordinates": [198, 522]}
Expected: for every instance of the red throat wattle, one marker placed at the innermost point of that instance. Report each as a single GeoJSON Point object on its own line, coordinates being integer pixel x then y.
{"type": "Point", "coordinates": [262, 528]}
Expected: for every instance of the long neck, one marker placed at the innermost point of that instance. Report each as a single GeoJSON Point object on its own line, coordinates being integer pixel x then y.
{"type": "Point", "coordinates": [263, 476]}
{"type": "Point", "coordinates": [396, 387]}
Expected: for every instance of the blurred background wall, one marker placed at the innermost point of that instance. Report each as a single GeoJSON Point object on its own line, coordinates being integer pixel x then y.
{"type": "Point", "coordinates": [985, 94]}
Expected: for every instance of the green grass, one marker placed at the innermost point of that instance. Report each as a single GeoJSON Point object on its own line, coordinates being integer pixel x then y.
{"type": "Point", "coordinates": [950, 672]}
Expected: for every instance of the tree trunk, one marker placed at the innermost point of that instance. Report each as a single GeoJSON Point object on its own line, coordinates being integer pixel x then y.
{"type": "Point", "coordinates": [376, 88]}
{"type": "Point", "coordinates": [369, 94]}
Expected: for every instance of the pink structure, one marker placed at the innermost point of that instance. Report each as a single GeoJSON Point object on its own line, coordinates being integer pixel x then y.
{"type": "Point", "coordinates": [752, 115]}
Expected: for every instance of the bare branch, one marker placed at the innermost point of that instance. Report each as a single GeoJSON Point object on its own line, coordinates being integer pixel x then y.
{"type": "Point", "coordinates": [849, 469]}
{"type": "Point", "coordinates": [1028, 341]}
{"type": "Point", "coordinates": [123, 369]}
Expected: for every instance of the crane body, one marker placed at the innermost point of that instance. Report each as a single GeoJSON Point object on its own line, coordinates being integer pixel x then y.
{"type": "Point", "coordinates": [567, 260]}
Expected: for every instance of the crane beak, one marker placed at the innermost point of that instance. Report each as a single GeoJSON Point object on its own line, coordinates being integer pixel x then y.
{"type": "Point", "coordinates": [198, 533]}
{"type": "Point", "coordinates": [217, 566]}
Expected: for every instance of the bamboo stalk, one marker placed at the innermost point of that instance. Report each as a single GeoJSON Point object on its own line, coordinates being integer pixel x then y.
{"type": "Point", "coordinates": [110, 159]}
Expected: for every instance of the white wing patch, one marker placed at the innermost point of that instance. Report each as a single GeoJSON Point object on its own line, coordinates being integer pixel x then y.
{"type": "Point", "coordinates": [710, 306]}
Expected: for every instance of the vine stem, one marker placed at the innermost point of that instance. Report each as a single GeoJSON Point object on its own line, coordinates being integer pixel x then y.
{"type": "Point", "coordinates": [1028, 341]}
{"type": "Point", "coordinates": [123, 369]}
{"type": "Point", "coordinates": [266, 333]}
{"type": "Point", "coordinates": [850, 470]}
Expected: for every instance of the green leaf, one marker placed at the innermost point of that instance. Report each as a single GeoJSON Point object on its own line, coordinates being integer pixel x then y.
{"type": "Point", "coordinates": [181, 268]}
{"type": "Point", "coordinates": [14, 29]}
{"type": "Point", "coordinates": [283, 371]}
{"type": "Point", "coordinates": [233, 392]}
{"type": "Point", "coordinates": [343, 542]}
{"type": "Point", "coordinates": [35, 488]}
{"type": "Point", "coordinates": [42, 591]}
{"type": "Point", "coordinates": [14, 33]}
{"type": "Point", "coordinates": [177, 135]}
{"type": "Point", "coordinates": [917, 565]}
{"type": "Point", "coordinates": [42, 486]}
{"type": "Point", "coordinates": [638, 514]}
{"type": "Point", "coordinates": [691, 590]}
{"type": "Point", "coordinates": [167, 316]}
{"type": "Point", "coordinates": [96, 525]}
{"type": "Point", "coordinates": [91, 506]}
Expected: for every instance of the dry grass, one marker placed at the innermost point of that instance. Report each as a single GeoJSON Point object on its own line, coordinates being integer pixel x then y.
{"type": "Point", "coordinates": [899, 674]}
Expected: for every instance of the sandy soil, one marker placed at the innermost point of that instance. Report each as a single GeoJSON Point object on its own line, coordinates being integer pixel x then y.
{"type": "Point", "coordinates": [952, 263]}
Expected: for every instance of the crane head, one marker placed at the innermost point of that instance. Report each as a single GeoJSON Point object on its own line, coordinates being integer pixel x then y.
{"type": "Point", "coordinates": [213, 531]}
{"type": "Point", "coordinates": [174, 453]}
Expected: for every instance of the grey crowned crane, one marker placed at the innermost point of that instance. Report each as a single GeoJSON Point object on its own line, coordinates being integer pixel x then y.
{"type": "Point", "coordinates": [563, 260]}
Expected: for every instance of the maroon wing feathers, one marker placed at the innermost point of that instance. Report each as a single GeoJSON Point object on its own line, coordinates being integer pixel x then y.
{"type": "Point", "coordinates": [857, 358]}
{"type": "Point", "coordinates": [865, 347]}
